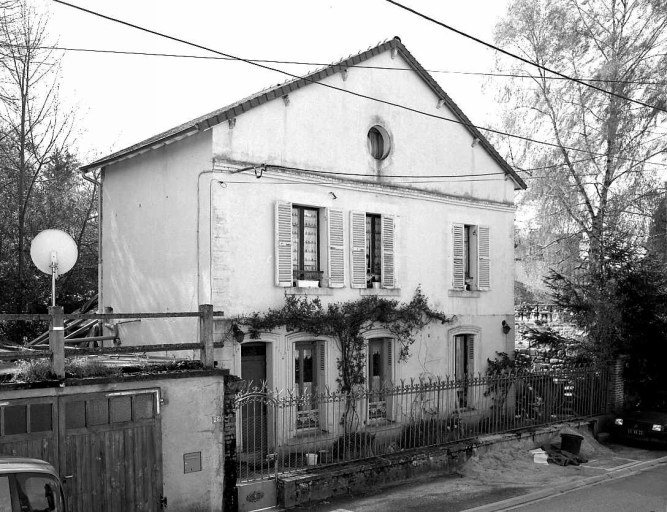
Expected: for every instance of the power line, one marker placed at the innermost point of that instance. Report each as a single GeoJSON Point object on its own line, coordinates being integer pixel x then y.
{"type": "Point", "coordinates": [329, 86]}
{"type": "Point", "coordinates": [522, 59]}
{"type": "Point", "coordinates": [306, 63]}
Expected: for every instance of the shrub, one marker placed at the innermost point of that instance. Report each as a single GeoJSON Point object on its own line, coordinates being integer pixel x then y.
{"type": "Point", "coordinates": [352, 445]}
{"type": "Point", "coordinates": [430, 432]}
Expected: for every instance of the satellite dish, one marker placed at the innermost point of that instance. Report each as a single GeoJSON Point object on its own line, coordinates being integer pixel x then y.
{"type": "Point", "coordinates": [53, 252]}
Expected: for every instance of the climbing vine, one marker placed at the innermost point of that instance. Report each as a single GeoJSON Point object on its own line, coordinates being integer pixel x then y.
{"type": "Point", "coordinates": [346, 323]}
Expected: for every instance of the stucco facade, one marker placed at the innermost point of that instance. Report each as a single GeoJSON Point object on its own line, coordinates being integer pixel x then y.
{"type": "Point", "coordinates": [194, 217]}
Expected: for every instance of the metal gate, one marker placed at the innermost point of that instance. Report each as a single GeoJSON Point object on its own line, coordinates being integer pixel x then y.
{"type": "Point", "coordinates": [106, 446]}
{"type": "Point", "coordinates": [255, 417]}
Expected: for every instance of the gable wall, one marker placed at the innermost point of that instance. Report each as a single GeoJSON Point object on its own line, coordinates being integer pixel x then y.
{"type": "Point", "coordinates": [325, 129]}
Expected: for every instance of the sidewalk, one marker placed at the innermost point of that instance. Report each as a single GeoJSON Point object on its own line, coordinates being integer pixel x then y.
{"type": "Point", "coordinates": [498, 479]}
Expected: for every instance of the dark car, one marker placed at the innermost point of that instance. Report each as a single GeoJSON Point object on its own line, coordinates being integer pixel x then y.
{"type": "Point", "coordinates": [646, 422]}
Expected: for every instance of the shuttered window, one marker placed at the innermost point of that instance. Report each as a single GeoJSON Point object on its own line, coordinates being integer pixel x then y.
{"type": "Point", "coordinates": [308, 241]}
{"type": "Point", "coordinates": [471, 257]}
{"type": "Point", "coordinates": [372, 250]}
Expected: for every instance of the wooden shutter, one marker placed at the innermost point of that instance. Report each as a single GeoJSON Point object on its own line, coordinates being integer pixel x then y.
{"type": "Point", "coordinates": [470, 356]}
{"type": "Point", "coordinates": [483, 260]}
{"type": "Point", "coordinates": [358, 249]}
{"type": "Point", "coordinates": [283, 233]}
{"type": "Point", "coordinates": [458, 274]}
{"type": "Point", "coordinates": [336, 256]}
{"type": "Point", "coordinates": [388, 360]}
{"type": "Point", "coordinates": [323, 405]}
{"type": "Point", "coordinates": [388, 251]}
{"type": "Point", "coordinates": [388, 373]}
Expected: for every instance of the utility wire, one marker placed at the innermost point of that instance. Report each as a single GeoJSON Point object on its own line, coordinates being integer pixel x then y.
{"type": "Point", "coordinates": [306, 63]}
{"type": "Point", "coordinates": [522, 59]}
{"type": "Point", "coordinates": [329, 86]}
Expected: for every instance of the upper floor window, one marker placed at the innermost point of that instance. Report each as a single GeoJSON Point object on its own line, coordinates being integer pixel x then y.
{"type": "Point", "coordinates": [309, 246]}
{"type": "Point", "coordinates": [305, 243]}
{"type": "Point", "coordinates": [373, 256]}
{"type": "Point", "coordinates": [471, 257]}
{"type": "Point", "coordinates": [379, 142]}
{"type": "Point", "coordinates": [373, 249]}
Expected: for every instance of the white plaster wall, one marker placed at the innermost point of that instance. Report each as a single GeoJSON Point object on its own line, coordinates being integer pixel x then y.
{"type": "Point", "coordinates": [326, 129]}
{"type": "Point", "coordinates": [242, 257]}
{"type": "Point", "coordinates": [149, 229]}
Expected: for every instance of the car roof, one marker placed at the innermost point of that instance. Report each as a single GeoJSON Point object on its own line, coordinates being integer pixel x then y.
{"type": "Point", "coordinates": [10, 464]}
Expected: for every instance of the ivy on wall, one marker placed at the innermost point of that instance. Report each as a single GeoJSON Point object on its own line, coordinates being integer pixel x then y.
{"type": "Point", "coordinates": [347, 322]}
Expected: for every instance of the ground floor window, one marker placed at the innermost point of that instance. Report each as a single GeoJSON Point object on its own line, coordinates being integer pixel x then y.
{"type": "Point", "coordinates": [379, 377]}
{"type": "Point", "coordinates": [307, 374]}
{"type": "Point", "coordinates": [463, 364]}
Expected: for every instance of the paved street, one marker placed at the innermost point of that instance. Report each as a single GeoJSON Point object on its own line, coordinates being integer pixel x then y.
{"type": "Point", "coordinates": [642, 492]}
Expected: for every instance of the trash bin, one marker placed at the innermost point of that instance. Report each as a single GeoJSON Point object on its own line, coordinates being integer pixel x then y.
{"type": "Point", "coordinates": [571, 443]}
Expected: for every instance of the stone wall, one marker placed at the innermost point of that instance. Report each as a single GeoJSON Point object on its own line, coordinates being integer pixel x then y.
{"type": "Point", "coordinates": [319, 484]}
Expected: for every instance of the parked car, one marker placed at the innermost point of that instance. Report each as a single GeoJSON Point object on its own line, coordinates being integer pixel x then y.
{"type": "Point", "coordinates": [29, 485]}
{"type": "Point", "coordinates": [646, 422]}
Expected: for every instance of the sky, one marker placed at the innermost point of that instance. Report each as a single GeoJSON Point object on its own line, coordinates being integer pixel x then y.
{"type": "Point", "coordinates": [123, 99]}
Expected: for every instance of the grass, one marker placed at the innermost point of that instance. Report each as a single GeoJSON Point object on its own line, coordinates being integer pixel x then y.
{"type": "Point", "coordinates": [39, 370]}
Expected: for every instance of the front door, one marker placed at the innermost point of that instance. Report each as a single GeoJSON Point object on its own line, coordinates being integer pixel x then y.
{"type": "Point", "coordinates": [253, 411]}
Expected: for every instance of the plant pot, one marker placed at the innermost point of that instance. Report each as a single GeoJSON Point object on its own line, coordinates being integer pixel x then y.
{"type": "Point", "coordinates": [376, 285]}
{"type": "Point", "coordinates": [311, 459]}
{"type": "Point", "coordinates": [307, 283]}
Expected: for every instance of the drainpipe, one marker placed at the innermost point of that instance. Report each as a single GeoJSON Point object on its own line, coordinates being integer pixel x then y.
{"type": "Point", "coordinates": [210, 224]}
{"type": "Point", "coordinates": [98, 184]}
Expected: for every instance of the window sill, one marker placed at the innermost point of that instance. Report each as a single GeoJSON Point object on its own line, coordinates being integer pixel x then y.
{"type": "Point", "coordinates": [465, 294]}
{"type": "Point", "coordinates": [383, 292]}
{"type": "Point", "coordinates": [295, 290]}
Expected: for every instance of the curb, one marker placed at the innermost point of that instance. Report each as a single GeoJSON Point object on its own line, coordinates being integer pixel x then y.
{"type": "Point", "coordinates": [612, 474]}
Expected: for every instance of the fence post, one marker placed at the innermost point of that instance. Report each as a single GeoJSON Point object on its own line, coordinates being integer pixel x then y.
{"type": "Point", "coordinates": [57, 341]}
{"type": "Point", "coordinates": [206, 334]}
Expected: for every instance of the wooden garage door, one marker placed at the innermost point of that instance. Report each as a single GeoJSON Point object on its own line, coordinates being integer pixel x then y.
{"type": "Point", "coordinates": [110, 451]}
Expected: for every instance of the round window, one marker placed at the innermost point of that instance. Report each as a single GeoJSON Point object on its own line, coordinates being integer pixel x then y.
{"type": "Point", "coordinates": [379, 143]}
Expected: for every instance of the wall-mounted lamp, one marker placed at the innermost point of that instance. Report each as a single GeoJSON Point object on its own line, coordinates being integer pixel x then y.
{"type": "Point", "coordinates": [333, 196]}
{"type": "Point", "coordinates": [506, 327]}
{"type": "Point", "coordinates": [238, 334]}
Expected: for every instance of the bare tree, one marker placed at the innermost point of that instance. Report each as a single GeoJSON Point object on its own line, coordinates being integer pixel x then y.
{"type": "Point", "coordinates": [593, 184]}
{"type": "Point", "coordinates": [33, 126]}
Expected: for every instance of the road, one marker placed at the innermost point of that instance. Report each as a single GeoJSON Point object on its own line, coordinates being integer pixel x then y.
{"type": "Point", "coordinates": [642, 492]}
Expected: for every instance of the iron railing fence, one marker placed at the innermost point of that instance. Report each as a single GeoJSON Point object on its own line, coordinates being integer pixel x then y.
{"type": "Point", "coordinates": [282, 431]}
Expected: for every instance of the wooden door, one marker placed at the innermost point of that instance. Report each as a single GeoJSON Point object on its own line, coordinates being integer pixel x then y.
{"type": "Point", "coordinates": [253, 412]}
{"type": "Point", "coordinates": [110, 451]}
